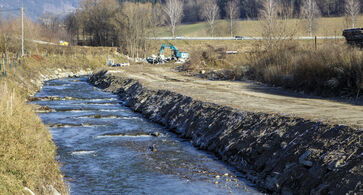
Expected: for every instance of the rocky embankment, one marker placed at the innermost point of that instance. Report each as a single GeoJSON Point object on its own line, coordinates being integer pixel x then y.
{"type": "Point", "coordinates": [281, 154]}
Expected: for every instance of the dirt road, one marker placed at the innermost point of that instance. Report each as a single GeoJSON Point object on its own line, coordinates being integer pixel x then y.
{"type": "Point", "coordinates": [245, 96]}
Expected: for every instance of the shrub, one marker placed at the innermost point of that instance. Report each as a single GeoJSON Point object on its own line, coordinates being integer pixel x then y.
{"type": "Point", "coordinates": [331, 70]}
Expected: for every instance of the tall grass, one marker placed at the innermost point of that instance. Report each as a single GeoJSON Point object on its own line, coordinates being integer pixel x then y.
{"type": "Point", "coordinates": [213, 57]}
{"type": "Point", "coordinates": [26, 149]}
{"type": "Point", "coordinates": [331, 70]}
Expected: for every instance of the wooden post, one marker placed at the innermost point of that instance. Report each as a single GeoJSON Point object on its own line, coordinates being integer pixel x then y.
{"type": "Point", "coordinates": [22, 31]}
{"type": "Point", "coordinates": [316, 46]}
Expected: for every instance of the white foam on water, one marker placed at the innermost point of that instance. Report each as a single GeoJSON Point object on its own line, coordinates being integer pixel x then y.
{"type": "Point", "coordinates": [76, 126]}
{"type": "Point", "coordinates": [101, 104]}
{"type": "Point", "coordinates": [90, 125]}
{"type": "Point", "coordinates": [132, 117]}
{"type": "Point", "coordinates": [74, 111]}
{"type": "Point", "coordinates": [83, 117]}
{"type": "Point", "coordinates": [82, 152]}
{"type": "Point", "coordinates": [98, 100]}
{"type": "Point", "coordinates": [106, 110]}
{"type": "Point", "coordinates": [93, 104]}
{"type": "Point", "coordinates": [65, 126]}
{"type": "Point", "coordinates": [102, 117]}
{"type": "Point", "coordinates": [125, 136]}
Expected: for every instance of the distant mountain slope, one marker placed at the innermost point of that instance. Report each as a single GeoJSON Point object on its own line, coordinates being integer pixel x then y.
{"type": "Point", "coordinates": [36, 8]}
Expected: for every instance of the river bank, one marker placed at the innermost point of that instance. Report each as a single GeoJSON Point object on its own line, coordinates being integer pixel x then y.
{"type": "Point", "coordinates": [280, 153]}
{"type": "Point", "coordinates": [106, 148]}
{"type": "Point", "coordinates": [28, 155]}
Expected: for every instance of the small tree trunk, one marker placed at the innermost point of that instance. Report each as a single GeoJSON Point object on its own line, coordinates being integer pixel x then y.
{"type": "Point", "coordinates": [310, 27]}
{"type": "Point", "coordinates": [173, 31]}
{"type": "Point", "coordinates": [212, 30]}
{"type": "Point", "coordinates": [231, 27]}
{"type": "Point", "coordinates": [353, 21]}
{"type": "Point", "coordinates": [356, 98]}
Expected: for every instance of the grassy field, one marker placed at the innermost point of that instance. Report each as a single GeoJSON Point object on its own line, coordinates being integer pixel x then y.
{"type": "Point", "coordinates": [27, 153]}
{"type": "Point", "coordinates": [332, 26]}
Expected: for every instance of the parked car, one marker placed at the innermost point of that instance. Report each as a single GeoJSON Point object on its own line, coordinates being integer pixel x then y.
{"type": "Point", "coordinates": [238, 37]}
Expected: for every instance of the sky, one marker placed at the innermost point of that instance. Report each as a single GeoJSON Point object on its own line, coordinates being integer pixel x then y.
{"type": "Point", "coordinates": [36, 8]}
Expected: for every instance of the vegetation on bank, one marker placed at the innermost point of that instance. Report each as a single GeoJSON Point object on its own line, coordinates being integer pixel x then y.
{"type": "Point", "coordinates": [331, 69]}
{"type": "Point", "coordinates": [27, 153]}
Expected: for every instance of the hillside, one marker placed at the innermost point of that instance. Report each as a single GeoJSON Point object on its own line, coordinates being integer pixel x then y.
{"type": "Point", "coordinates": [36, 8]}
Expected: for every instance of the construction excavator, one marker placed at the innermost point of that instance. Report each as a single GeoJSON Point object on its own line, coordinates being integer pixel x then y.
{"type": "Point", "coordinates": [176, 55]}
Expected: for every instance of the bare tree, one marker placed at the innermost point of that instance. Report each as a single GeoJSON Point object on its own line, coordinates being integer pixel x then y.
{"type": "Point", "coordinates": [71, 24]}
{"type": "Point", "coordinates": [232, 10]}
{"type": "Point", "coordinates": [139, 20]}
{"type": "Point", "coordinates": [310, 11]}
{"type": "Point", "coordinates": [157, 18]}
{"type": "Point", "coordinates": [210, 12]}
{"type": "Point", "coordinates": [268, 14]}
{"type": "Point", "coordinates": [352, 9]}
{"type": "Point", "coordinates": [174, 11]}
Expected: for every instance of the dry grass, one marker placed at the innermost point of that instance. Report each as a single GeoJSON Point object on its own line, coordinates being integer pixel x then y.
{"type": "Point", "coordinates": [333, 69]}
{"type": "Point", "coordinates": [26, 149]}
{"type": "Point", "coordinates": [213, 59]}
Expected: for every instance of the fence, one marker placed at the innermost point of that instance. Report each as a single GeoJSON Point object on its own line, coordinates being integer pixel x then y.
{"type": "Point", "coordinates": [9, 62]}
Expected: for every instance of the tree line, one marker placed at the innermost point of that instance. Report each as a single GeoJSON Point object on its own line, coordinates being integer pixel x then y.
{"type": "Point", "coordinates": [249, 8]}
{"type": "Point", "coordinates": [111, 23]}
{"type": "Point", "coordinates": [127, 24]}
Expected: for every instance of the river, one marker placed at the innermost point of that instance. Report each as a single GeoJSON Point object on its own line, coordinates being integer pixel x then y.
{"type": "Point", "coordinates": [105, 148]}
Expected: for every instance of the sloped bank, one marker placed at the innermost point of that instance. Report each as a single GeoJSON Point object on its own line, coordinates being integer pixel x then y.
{"type": "Point", "coordinates": [280, 154]}
{"type": "Point", "coordinates": [28, 162]}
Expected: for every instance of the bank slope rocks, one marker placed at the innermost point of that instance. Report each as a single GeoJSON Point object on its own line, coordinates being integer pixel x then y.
{"type": "Point", "coordinates": [281, 154]}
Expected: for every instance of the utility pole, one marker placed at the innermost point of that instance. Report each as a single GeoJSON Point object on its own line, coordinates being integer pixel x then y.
{"type": "Point", "coordinates": [22, 31]}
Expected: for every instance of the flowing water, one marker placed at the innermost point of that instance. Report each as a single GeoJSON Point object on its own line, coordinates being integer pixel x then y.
{"type": "Point", "coordinates": [105, 148]}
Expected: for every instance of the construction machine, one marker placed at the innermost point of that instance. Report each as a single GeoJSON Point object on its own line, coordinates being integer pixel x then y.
{"type": "Point", "coordinates": [354, 36]}
{"type": "Point", "coordinates": [63, 43]}
{"type": "Point", "coordinates": [176, 55]}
